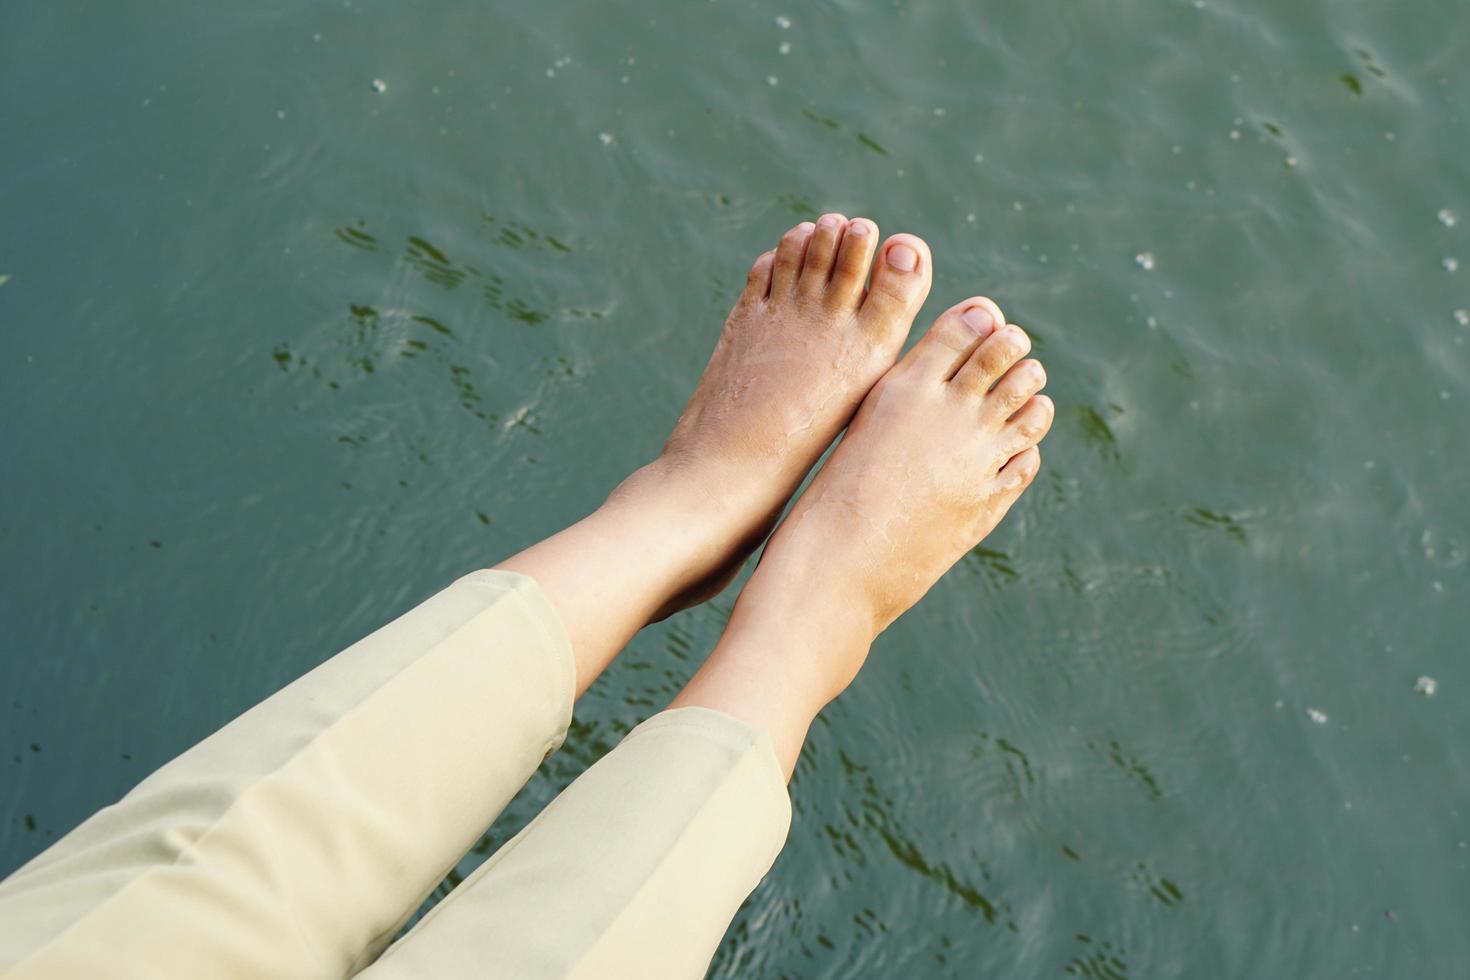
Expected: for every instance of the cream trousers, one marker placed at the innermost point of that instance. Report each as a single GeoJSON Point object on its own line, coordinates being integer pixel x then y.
{"type": "Point", "coordinates": [298, 839]}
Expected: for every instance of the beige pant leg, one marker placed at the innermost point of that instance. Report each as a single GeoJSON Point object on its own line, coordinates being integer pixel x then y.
{"type": "Point", "coordinates": [298, 839]}
{"type": "Point", "coordinates": [634, 871]}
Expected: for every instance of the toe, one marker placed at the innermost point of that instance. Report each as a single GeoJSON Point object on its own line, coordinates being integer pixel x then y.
{"type": "Point", "coordinates": [850, 268]}
{"type": "Point", "coordinates": [955, 335]}
{"type": "Point", "coordinates": [1018, 384]}
{"type": "Point", "coordinates": [991, 359]}
{"type": "Point", "coordinates": [758, 280]}
{"type": "Point", "coordinates": [1030, 425]}
{"type": "Point", "coordinates": [821, 252]}
{"type": "Point", "coordinates": [901, 280]}
{"type": "Point", "coordinates": [789, 253]}
{"type": "Point", "coordinates": [1019, 471]}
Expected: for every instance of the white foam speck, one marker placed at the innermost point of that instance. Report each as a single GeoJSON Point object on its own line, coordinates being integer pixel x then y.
{"type": "Point", "coordinates": [1318, 717]}
{"type": "Point", "coordinates": [607, 138]}
{"type": "Point", "coordinates": [785, 48]}
{"type": "Point", "coordinates": [1390, 136]}
{"type": "Point", "coordinates": [1291, 161]}
{"type": "Point", "coordinates": [784, 23]}
{"type": "Point", "coordinates": [1426, 686]}
{"type": "Point", "coordinates": [938, 110]}
{"type": "Point", "coordinates": [1235, 134]}
{"type": "Point", "coordinates": [1017, 205]}
{"type": "Point", "coordinates": [979, 158]}
{"type": "Point", "coordinates": [772, 81]}
{"type": "Point", "coordinates": [1447, 217]}
{"type": "Point", "coordinates": [1450, 263]}
{"type": "Point", "coordinates": [380, 86]}
{"type": "Point", "coordinates": [971, 219]}
{"type": "Point", "coordinates": [1462, 317]}
{"type": "Point", "coordinates": [280, 113]}
{"type": "Point", "coordinates": [1145, 261]}
{"type": "Point", "coordinates": [1444, 396]}
{"type": "Point", "coordinates": [316, 37]}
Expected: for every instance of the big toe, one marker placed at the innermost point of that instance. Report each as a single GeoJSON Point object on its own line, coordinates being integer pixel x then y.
{"type": "Point", "coordinates": [946, 345]}
{"type": "Point", "coordinates": [901, 279]}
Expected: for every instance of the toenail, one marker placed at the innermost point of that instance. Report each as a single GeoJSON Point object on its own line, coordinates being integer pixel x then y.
{"type": "Point", "coordinates": [978, 320]}
{"type": "Point", "coordinates": [827, 221]}
{"type": "Point", "coordinates": [858, 227]}
{"type": "Point", "coordinates": [903, 258]}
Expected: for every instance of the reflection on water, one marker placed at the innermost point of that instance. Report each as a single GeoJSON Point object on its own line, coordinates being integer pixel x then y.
{"type": "Point", "coordinates": [298, 337]}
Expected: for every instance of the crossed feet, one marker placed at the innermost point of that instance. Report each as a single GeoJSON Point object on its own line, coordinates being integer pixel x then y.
{"type": "Point", "coordinates": [938, 447]}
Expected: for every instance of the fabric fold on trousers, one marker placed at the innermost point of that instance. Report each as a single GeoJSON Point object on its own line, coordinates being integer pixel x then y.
{"type": "Point", "coordinates": [635, 870]}
{"type": "Point", "coordinates": [296, 841]}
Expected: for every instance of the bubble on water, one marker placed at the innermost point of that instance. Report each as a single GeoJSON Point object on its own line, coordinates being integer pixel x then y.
{"type": "Point", "coordinates": [380, 86]}
{"type": "Point", "coordinates": [970, 217]}
{"type": "Point", "coordinates": [979, 158]}
{"type": "Point", "coordinates": [551, 73]}
{"type": "Point", "coordinates": [784, 23]}
{"type": "Point", "coordinates": [1368, 464]}
{"type": "Point", "coordinates": [1447, 217]}
{"type": "Point", "coordinates": [1145, 261]}
{"type": "Point", "coordinates": [607, 138]}
{"type": "Point", "coordinates": [1318, 717]}
{"type": "Point", "coordinates": [1390, 136]}
{"type": "Point", "coordinates": [1235, 134]}
{"type": "Point", "coordinates": [316, 37]}
{"type": "Point", "coordinates": [772, 81]}
{"type": "Point", "coordinates": [939, 110]}
{"type": "Point", "coordinates": [1291, 161]}
{"type": "Point", "coordinates": [1462, 317]}
{"type": "Point", "coordinates": [1444, 396]}
{"type": "Point", "coordinates": [1176, 149]}
{"type": "Point", "coordinates": [1426, 686]}
{"type": "Point", "coordinates": [784, 48]}
{"type": "Point", "coordinates": [280, 113]}
{"type": "Point", "coordinates": [1450, 263]}
{"type": "Point", "coordinates": [1018, 206]}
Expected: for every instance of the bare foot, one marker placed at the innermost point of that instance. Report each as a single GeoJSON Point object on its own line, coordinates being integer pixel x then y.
{"type": "Point", "coordinates": [942, 447]}
{"type": "Point", "coordinates": [805, 342]}
{"type": "Point", "coordinates": [808, 338]}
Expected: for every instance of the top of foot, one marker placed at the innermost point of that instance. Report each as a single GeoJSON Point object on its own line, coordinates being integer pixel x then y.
{"type": "Point", "coordinates": [942, 447]}
{"type": "Point", "coordinates": [820, 320]}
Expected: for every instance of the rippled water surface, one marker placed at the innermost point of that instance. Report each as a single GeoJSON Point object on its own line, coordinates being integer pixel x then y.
{"type": "Point", "coordinates": [285, 353]}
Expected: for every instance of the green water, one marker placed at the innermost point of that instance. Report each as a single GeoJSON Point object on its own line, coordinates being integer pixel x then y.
{"type": "Point", "coordinates": [285, 354]}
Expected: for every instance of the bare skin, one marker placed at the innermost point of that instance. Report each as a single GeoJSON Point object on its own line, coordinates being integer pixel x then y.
{"type": "Point", "coordinates": [942, 447]}
{"type": "Point", "coordinates": [808, 338]}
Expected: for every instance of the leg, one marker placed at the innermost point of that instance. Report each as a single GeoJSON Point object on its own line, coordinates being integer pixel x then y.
{"type": "Point", "coordinates": [639, 866]}
{"type": "Point", "coordinates": [296, 840]}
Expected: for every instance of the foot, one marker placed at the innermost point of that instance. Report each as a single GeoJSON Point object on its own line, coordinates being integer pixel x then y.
{"type": "Point", "coordinates": [942, 447]}
{"type": "Point", "coordinates": [807, 339]}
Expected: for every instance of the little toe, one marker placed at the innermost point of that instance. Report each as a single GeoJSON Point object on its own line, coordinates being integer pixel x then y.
{"type": "Point", "coordinates": [953, 337]}
{"type": "Point", "coordinates": [821, 252]}
{"type": "Point", "coordinates": [901, 279]}
{"type": "Point", "coordinates": [1018, 472]}
{"type": "Point", "coordinates": [991, 359]}
{"type": "Point", "coordinates": [1023, 380]}
{"type": "Point", "coordinates": [758, 280]}
{"type": "Point", "coordinates": [1030, 425]}
{"type": "Point", "coordinates": [850, 268]}
{"type": "Point", "coordinates": [789, 254]}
